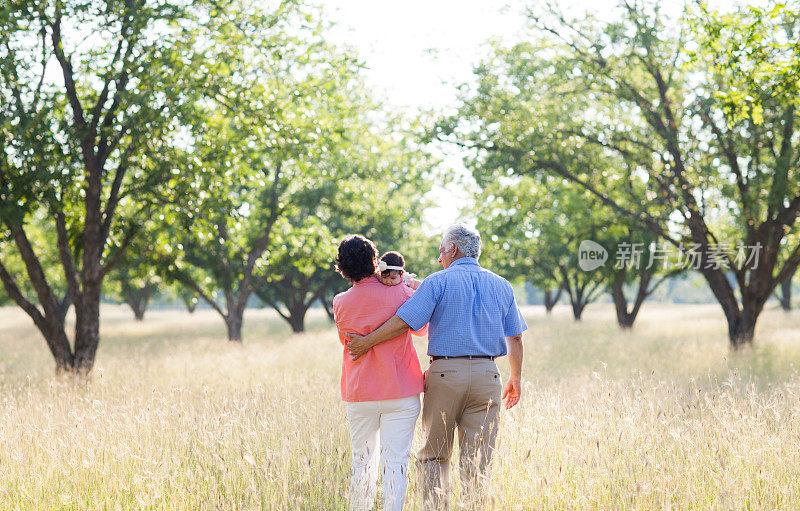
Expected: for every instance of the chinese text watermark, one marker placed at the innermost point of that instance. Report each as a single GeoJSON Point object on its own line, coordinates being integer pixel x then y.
{"type": "Point", "coordinates": [717, 256]}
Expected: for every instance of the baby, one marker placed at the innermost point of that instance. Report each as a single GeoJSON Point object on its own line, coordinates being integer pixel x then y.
{"type": "Point", "coordinates": [392, 271]}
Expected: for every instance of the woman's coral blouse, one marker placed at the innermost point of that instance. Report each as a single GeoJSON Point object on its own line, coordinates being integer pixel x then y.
{"type": "Point", "coordinates": [390, 370]}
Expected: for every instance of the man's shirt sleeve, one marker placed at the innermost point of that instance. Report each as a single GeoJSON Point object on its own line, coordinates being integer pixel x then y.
{"type": "Point", "coordinates": [418, 309]}
{"type": "Point", "coordinates": [513, 323]}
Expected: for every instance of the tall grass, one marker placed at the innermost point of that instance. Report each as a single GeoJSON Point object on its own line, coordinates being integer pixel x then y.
{"type": "Point", "coordinates": [174, 417]}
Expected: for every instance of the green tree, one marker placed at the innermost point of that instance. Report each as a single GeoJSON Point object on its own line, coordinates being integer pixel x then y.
{"type": "Point", "coordinates": [539, 223]}
{"type": "Point", "coordinates": [535, 229]}
{"type": "Point", "coordinates": [642, 264]}
{"type": "Point", "coordinates": [270, 147]}
{"type": "Point", "coordinates": [299, 272]}
{"type": "Point", "coordinates": [41, 234]}
{"type": "Point", "coordinates": [135, 278]}
{"type": "Point", "coordinates": [385, 204]}
{"type": "Point", "coordinates": [507, 218]}
{"type": "Point", "coordinates": [648, 93]}
{"type": "Point", "coordinates": [78, 115]}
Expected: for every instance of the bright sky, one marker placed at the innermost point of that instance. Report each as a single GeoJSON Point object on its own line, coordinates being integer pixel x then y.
{"type": "Point", "coordinates": [417, 51]}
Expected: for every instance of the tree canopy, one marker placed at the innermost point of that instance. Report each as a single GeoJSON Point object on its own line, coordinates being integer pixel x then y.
{"type": "Point", "coordinates": [646, 90]}
{"type": "Point", "coordinates": [90, 90]}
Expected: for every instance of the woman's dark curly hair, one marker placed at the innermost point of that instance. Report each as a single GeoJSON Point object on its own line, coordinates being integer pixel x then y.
{"type": "Point", "coordinates": [392, 258]}
{"type": "Point", "coordinates": [356, 257]}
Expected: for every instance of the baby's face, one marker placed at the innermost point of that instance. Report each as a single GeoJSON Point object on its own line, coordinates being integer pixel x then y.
{"type": "Point", "coordinates": [394, 278]}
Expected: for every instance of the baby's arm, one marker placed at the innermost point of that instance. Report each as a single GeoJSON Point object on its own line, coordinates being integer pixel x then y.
{"type": "Point", "coordinates": [411, 281]}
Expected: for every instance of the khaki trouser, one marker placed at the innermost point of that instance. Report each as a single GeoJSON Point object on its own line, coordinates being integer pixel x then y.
{"type": "Point", "coordinates": [464, 394]}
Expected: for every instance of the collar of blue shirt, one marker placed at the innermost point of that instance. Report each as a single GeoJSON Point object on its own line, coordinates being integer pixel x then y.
{"type": "Point", "coordinates": [464, 260]}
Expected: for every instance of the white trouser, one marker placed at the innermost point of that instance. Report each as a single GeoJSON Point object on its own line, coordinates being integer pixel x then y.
{"type": "Point", "coordinates": [394, 419]}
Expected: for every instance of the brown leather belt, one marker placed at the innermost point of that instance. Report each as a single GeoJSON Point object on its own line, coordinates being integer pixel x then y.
{"type": "Point", "coordinates": [471, 357]}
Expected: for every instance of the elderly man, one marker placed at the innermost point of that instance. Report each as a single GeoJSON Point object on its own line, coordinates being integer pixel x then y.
{"type": "Point", "coordinates": [473, 319]}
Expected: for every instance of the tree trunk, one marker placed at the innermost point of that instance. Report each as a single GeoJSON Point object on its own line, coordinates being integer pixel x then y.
{"type": "Point", "coordinates": [741, 327]}
{"type": "Point", "coordinates": [741, 330]}
{"type": "Point", "coordinates": [79, 359]}
{"type": "Point", "coordinates": [233, 312]}
{"type": "Point", "coordinates": [577, 309]}
{"type": "Point", "coordinates": [234, 321]}
{"type": "Point", "coordinates": [550, 299]}
{"type": "Point", "coordinates": [624, 318]}
{"type": "Point", "coordinates": [742, 321]}
{"type": "Point", "coordinates": [50, 319]}
{"type": "Point", "coordinates": [785, 297]}
{"type": "Point", "coordinates": [137, 300]}
{"type": "Point", "coordinates": [295, 313]}
{"type": "Point", "coordinates": [87, 328]}
{"type": "Point", "coordinates": [58, 343]}
{"type": "Point", "coordinates": [297, 317]}
{"type": "Point", "coordinates": [138, 313]}
{"type": "Point", "coordinates": [328, 308]}
{"type": "Point", "coordinates": [580, 293]}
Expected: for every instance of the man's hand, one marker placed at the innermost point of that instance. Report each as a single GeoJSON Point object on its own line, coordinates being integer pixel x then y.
{"type": "Point", "coordinates": [513, 389]}
{"type": "Point", "coordinates": [512, 392]}
{"type": "Point", "coordinates": [357, 345]}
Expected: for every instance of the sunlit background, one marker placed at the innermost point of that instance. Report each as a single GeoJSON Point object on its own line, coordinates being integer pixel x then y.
{"type": "Point", "coordinates": [418, 52]}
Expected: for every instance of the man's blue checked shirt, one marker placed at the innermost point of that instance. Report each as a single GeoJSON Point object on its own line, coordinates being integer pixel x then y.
{"type": "Point", "coordinates": [470, 310]}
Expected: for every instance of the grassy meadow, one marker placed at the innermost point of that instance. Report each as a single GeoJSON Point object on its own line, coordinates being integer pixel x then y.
{"type": "Point", "coordinates": [174, 417]}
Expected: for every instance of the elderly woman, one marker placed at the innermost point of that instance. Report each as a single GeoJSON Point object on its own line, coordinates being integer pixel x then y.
{"type": "Point", "coordinates": [382, 387]}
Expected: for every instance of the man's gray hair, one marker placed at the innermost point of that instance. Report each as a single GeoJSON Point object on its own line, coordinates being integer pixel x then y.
{"type": "Point", "coordinates": [467, 239]}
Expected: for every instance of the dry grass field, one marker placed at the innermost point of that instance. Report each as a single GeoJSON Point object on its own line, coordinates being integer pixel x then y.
{"type": "Point", "coordinates": [174, 417]}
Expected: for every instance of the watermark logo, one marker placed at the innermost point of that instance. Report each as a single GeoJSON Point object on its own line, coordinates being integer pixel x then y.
{"type": "Point", "coordinates": [716, 256]}
{"type": "Point", "coordinates": [591, 255]}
